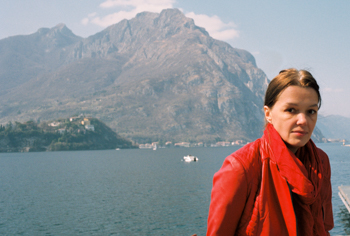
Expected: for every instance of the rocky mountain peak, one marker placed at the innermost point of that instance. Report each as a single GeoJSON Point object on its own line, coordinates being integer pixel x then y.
{"type": "Point", "coordinates": [139, 34]}
{"type": "Point", "coordinates": [173, 17]}
{"type": "Point", "coordinates": [173, 20]}
{"type": "Point", "coordinates": [145, 16]}
{"type": "Point", "coordinates": [63, 30]}
{"type": "Point", "coordinates": [61, 26]}
{"type": "Point", "coordinates": [58, 36]}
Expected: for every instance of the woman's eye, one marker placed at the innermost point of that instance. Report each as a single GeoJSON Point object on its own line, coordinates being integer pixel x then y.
{"type": "Point", "coordinates": [291, 110]}
{"type": "Point", "coordinates": [312, 112]}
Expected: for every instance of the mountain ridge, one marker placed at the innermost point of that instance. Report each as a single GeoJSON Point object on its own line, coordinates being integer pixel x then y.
{"type": "Point", "coordinates": [335, 127]}
{"type": "Point", "coordinates": [154, 76]}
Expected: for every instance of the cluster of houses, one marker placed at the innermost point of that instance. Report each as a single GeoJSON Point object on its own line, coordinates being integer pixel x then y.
{"type": "Point", "coordinates": [187, 144]}
{"type": "Point", "coordinates": [85, 121]}
{"type": "Point", "coordinates": [227, 144]}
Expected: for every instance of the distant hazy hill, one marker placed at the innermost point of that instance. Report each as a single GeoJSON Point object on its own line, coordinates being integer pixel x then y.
{"type": "Point", "coordinates": [334, 127]}
{"type": "Point", "coordinates": [157, 76]}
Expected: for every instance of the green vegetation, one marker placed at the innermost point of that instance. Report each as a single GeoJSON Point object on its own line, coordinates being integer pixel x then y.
{"type": "Point", "coordinates": [76, 133]}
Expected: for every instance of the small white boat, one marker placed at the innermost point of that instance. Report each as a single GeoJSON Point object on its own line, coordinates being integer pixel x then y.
{"type": "Point", "coordinates": [190, 158]}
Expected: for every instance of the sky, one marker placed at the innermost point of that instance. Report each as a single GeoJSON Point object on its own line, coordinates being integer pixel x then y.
{"type": "Point", "coordinates": [312, 35]}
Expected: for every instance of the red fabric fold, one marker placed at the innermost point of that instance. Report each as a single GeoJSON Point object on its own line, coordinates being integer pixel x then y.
{"type": "Point", "coordinates": [304, 174]}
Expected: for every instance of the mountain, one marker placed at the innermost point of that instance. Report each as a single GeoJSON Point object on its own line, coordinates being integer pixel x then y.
{"type": "Point", "coordinates": [156, 76]}
{"type": "Point", "coordinates": [334, 127]}
{"type": "Point", "coordinates": [26, 57]}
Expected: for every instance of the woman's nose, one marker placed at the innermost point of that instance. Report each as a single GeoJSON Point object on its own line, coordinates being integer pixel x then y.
{"type": "Point", "coordinates": [301, 119]}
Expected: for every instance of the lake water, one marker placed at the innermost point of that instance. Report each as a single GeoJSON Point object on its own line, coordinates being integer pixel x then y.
{"type": "Point", "coordinates": [125, 192]}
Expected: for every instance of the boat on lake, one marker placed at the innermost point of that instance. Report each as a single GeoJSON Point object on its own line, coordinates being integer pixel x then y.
{"type": "Point", "coordinates": [190, 158]}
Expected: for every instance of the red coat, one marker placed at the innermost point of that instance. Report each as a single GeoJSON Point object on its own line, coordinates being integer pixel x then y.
{"type": "Point", "coordinates": [264, 189]}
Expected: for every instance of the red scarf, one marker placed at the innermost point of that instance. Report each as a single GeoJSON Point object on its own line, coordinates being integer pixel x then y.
{"type": "Point", "coordinates": [304, 174]}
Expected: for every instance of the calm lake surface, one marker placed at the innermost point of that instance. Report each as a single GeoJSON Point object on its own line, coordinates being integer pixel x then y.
{"type": "Point", "coordinates": [125, 192]}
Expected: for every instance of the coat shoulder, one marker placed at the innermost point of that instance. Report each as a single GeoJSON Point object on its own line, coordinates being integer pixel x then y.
{"type": "Point", "coordinates": [250, 158]}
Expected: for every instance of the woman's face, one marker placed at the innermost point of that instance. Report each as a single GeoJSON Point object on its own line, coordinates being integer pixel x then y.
{"type": "Point", "coordinates": [294, 115]}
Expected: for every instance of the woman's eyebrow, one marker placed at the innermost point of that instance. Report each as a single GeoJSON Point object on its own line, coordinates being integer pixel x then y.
{"type": "Point", "coordinates": [296, 104]}
{"type": "Point", "coordinates": [314, 105]}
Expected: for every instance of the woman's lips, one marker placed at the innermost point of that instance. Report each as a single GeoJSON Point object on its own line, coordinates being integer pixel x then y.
{"type": "Point", "coordinates": [299, 132]}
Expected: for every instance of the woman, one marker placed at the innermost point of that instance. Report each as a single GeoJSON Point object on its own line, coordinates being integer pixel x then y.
{"type": "Point", "coordinates": [280, 183]}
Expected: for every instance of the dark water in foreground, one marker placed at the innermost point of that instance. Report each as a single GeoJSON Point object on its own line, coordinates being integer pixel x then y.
{"type": "Point", "coordinates": [126, 192]}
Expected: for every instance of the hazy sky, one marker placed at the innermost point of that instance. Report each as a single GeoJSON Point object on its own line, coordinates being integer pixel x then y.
{"type": "Point", "coordinates": [312, 34]}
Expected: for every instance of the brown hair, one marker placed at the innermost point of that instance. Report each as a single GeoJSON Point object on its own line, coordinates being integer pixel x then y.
{"type": "Point", "coordinates": [286, 78]}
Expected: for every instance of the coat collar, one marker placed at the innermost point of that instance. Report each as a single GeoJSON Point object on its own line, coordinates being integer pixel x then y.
{"type": "Point", "coordinates": [290, 167]}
